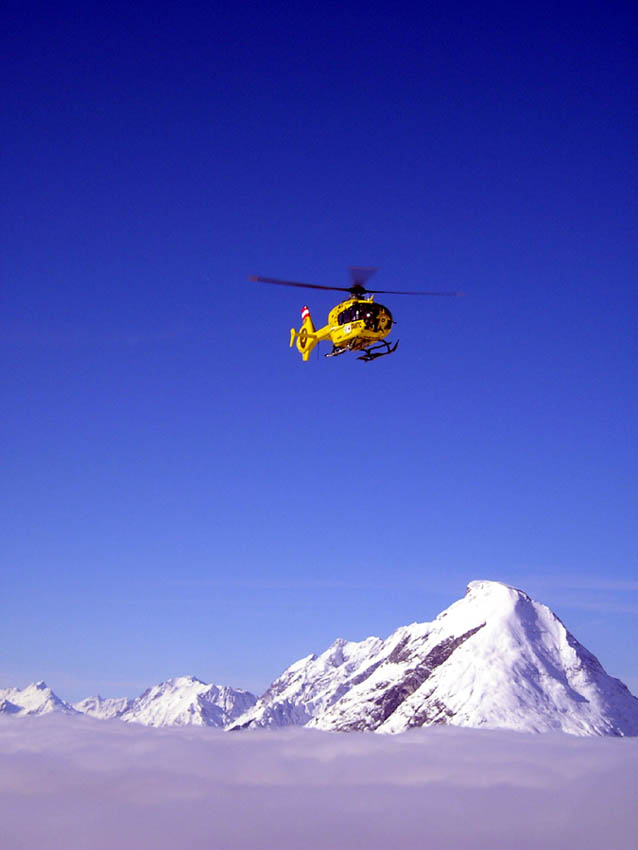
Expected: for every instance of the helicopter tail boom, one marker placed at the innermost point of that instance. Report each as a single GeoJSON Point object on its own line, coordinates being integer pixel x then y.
{"type": "Point", "coordinates": [306, 337]}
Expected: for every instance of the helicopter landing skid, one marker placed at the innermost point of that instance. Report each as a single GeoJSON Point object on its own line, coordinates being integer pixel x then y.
{"type": "Point", "coordinates": [336, 351]}
{"type": "Point", "coordinates": [375, 351]}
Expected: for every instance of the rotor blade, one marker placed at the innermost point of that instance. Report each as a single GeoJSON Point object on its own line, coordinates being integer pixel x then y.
{"type": "Point", "coordinates": [359, 274]}
{"type": "Point", "coordinates": [356, 289]}
{"type": "Point", "coordinates": [396, 292]}
{"type": "Point", "coordinates": [275, 280]}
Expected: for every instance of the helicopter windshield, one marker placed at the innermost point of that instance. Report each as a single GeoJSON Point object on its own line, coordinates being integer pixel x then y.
{"type": "Point", "coordinates": [367, 311]}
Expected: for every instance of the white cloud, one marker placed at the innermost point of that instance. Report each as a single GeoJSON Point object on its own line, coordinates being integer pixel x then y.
{"type": "Point", "coordinates": [74, 783]}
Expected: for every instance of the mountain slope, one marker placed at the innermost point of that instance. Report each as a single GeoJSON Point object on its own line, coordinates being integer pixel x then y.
{"type": "Point", "coordinates": [494, 659]}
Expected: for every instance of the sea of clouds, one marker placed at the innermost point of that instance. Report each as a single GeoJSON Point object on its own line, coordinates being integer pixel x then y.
{"type": "Point", "coordinates": [76, 783]}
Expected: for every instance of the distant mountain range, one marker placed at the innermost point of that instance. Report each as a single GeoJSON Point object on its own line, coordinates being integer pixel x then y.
{"type": "Point", "coordinates": [185, 701]}
{"type": "Point", "coordinates": [494, 659]}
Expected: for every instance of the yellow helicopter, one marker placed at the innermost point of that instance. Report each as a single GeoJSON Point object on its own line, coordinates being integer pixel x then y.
{"type": "Point", "coordinates": [357, 324]}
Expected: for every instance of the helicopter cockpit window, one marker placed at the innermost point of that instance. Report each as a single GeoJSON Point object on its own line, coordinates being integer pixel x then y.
{"type": "Point", "coordinates": [361, 310]}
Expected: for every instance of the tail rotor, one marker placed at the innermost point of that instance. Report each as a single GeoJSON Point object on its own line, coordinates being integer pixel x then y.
{"type": "Point", "coordinates": [306, 338]}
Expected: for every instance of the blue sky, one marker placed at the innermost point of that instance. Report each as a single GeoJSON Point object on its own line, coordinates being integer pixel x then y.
{"type": "Point", "coordinates": [181, 493]}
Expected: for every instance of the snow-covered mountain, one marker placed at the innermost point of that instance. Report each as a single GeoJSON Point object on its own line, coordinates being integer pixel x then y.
{"type": "Point", "coordinates": [494, 659]}
{"type": "Point", "coordinates": [36, 698]}
{"type": "Point", "coordinates": [184, 701]}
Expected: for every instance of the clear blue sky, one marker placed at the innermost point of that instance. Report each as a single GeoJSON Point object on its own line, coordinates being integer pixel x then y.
{"type": "Point", "coordinates": [181, 494]}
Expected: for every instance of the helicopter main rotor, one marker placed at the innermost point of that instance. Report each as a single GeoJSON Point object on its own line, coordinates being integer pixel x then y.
{"type": "Point", "coordinates": [359, 275]}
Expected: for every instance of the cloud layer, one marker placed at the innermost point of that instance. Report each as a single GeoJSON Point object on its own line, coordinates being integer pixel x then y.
{"type": "Point", "coordinates": [74, 783]}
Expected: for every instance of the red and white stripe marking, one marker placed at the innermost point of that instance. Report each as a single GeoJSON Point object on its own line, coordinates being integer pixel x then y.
{"type": "Point", "coordinates": [305, 314]}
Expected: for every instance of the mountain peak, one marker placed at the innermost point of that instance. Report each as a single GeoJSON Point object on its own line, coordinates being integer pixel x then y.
{"type": "Point", "coordinates": [184, 681]}
{"type": "Point", "coordinates": [36, 686]}
{"type": "Point", "coordinates": [486, 586]}
{"type": "Point", "coordinates": [497, 591]}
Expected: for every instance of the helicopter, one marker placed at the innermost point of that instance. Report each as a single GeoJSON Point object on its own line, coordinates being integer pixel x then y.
{"type": "Point", "coordinates": [357, 324]}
